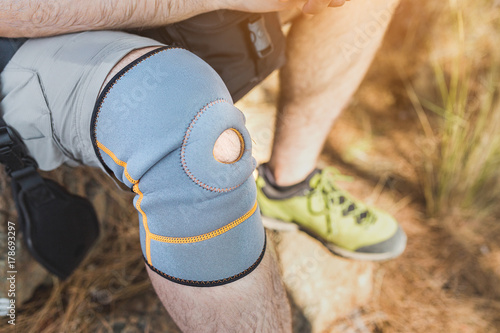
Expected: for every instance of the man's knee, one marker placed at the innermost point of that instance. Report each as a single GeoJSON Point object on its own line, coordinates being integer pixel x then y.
{"type": "Point", "coordinates": [166, 127]}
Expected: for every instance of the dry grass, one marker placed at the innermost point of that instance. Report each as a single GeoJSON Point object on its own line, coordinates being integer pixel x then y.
{"type": "Point", "coordinates": [464, 170]}
{"type": "Point", "coordinates": [428, 118]}
{"type": "Point", "coordinates": [113, 273]}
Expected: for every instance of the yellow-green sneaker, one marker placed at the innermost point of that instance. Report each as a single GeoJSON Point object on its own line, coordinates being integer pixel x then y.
{"type": "Point", "coordinates": [318, 206]}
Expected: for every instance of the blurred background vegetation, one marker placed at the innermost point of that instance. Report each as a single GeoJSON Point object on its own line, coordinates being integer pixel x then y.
{"type": "Point", "coordinates": [464, 169]}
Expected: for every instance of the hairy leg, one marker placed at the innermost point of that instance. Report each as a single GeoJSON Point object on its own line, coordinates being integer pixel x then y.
{"type": "Point", "coordinates": [254, 303]}
{"type": "Point", "coordinates": [328, 56]}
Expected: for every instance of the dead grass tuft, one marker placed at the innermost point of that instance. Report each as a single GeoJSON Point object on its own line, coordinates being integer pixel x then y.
{"type": "Point", "coordinates": [464, 168]}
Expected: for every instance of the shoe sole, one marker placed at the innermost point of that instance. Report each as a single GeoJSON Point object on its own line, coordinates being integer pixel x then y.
{"type": "Point", "coordinates": [278, 225]}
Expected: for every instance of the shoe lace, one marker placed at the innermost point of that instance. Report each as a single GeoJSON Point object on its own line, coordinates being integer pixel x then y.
{"type": "Point", "coordinates": [324, 188]}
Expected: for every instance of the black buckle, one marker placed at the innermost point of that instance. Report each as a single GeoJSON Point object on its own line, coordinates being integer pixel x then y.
{"type": "Point", "coordinates": [28, 178]}
{"type": "Point", "coordinates": [259, 36]}
{"type": "Point", "coordinates": [12, 151]}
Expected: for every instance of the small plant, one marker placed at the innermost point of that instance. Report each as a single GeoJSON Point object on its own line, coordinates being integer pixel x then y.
{"type": "Point", "coordinates": [464, 170]}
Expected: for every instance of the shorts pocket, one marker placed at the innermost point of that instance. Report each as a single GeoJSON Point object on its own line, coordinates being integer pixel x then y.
{"type": "Point", "coordinates": [25, 109]}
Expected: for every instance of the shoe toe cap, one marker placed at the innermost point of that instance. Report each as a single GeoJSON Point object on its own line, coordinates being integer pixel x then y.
{"type": "Point", "coordinates": [391, 247]}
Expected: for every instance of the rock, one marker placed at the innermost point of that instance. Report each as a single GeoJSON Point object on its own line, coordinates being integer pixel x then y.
{"type": "Point", "coordinates": [324, 287]}
{"type": "Point", "coordinates": [30, 275]}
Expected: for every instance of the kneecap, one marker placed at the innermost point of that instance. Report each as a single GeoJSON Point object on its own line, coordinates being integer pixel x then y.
{"type": "Point", "coordinates": [155, 127]}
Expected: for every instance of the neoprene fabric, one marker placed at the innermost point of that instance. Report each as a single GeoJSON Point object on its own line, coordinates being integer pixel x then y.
{"type": "Point", "coordinates": [154, 127]}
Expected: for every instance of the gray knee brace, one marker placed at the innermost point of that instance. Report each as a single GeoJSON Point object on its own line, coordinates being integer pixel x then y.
{"type": "Point", "coordinates": [155, 126]}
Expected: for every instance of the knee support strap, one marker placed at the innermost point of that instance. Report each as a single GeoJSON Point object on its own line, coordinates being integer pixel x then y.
{"type": "Point", "coordinates": [155, 126]}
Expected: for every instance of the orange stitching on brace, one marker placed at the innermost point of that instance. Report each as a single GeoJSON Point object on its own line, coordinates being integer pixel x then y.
{"type": "Point", "coordinates": [122, 163]}
{"type": "Point", "coordinates": [209, 235]}
{"type": "Point", "coordinates": [137, 191]}
{"type": "Point", "coordinates": [118, 79]}
{"type": "Point", "coordinates": [215, 282]}
{"type": "Point", "coordinates": [183, 152]}
{"type": "Point", "coordinates": [117, 161]}
{"type": "Point", "coordinates": [149, 235]}
{"type": "Point", "coordinates": [144, 222]}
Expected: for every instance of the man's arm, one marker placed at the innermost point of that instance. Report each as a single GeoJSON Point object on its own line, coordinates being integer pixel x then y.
{"type": "Point", "coordinates": [40, 18]}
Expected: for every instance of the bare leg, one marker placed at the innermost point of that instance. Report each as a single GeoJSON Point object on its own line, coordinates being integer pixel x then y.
{"type": "Point", "coordinates": [255, 303]}
{"type": "Point", "coordinates": [328, 56]}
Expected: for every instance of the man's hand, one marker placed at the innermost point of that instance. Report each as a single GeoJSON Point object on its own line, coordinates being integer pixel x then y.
{"type": "Point", "coordinates": [317, 6]}
{"type": "Point", "coordinates": [260, 6]}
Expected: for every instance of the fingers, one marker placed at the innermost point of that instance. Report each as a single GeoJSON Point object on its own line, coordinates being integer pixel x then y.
{"type": "Point", "coordinates": [337, 3]}
{"type": "Point", "coordinates": [293, 4]}
{"type": "Point", "coordinates": [317, 6]}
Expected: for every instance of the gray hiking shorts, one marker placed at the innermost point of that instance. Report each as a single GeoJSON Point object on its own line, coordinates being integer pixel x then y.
{"type": "Point", "coordinates": [49, 89]}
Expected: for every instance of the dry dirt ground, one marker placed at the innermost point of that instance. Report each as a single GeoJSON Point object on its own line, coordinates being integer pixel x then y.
{"type": "Point", "coordinates": [448, 279]}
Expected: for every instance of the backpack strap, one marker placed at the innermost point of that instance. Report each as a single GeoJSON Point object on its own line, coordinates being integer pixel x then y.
{"type": "Point", "coordinates": [8, 47]}
{"type": "Point", "coordinates": [59, 228]}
